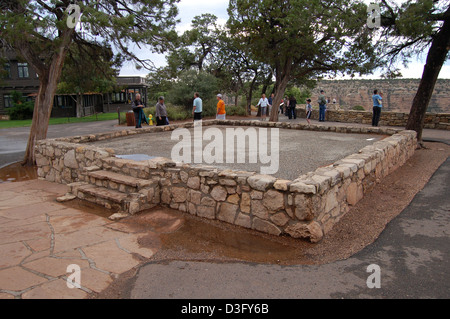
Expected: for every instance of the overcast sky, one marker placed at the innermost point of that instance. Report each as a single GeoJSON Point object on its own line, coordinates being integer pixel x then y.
{"type": "Point", "coordinates": [188, 9]}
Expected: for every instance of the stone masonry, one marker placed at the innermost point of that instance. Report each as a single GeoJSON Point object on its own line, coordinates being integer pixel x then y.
{"type": "Point", "coordinates": [306, 207]}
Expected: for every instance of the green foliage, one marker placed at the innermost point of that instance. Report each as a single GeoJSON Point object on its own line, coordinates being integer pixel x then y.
{"type": "Point", "coordinates": [189, 82]}
{"type": "Point", "coordinates": [300, 94]}
{"type": "Point", "coordinates": [22, 109]}
{"type": "Point", "coordinates": [359, 108]}
{"type": "Point", "coordinates": [236, 111]}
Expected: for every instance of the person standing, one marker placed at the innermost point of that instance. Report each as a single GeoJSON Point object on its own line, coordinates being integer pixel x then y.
{"type": "Point", "coordinates": [377, 105]}
{"type": "Point", "coordinates": [292, 105]}
{"type": "Point", "coordinates": [308, 111]}
{"type": "Point", "coordinates": [322, 106]}
{"type": "Point", "coordinates": [161, 112]}
{"type": "Point", "coordinates": [263, 103]}
{"type": "Point", "coordinates": [286, 106]}
{"type": "Point", "coordinates": [198, 107]}
{"type": "Point", "coordinates": [220, 113]}
{"type": "Point", "coordinates": [138, 109]}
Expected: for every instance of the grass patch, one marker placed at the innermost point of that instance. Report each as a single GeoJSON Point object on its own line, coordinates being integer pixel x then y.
{"type": "Point", "coordinates": [62, 120]}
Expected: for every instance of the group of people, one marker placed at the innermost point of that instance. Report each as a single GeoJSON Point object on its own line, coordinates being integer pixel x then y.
{"type": "Point", "coordinates": [288, 104]}
{"type": "Point", "coordinates": [161, 111]}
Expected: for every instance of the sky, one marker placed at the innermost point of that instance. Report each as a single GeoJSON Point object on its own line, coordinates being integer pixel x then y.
{"type": "Point", "coordinates": [188, 9]}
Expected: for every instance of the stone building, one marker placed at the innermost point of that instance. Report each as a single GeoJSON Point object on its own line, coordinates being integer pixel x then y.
{"type": "Point", "coordinates": [398, 94]}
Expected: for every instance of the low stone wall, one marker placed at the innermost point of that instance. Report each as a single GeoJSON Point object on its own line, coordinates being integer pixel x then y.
{"type": "Point", "coordinates": [306, 207]}
{"type": "Point", "coordinates": [439, 121]}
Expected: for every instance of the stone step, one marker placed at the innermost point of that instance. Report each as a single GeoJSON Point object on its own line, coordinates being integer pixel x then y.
{"type": "Point", "coordinates": [119, 182]}
{"type": "Point", "coordinates": [101, 192]}
{"type": "Point", "coordinates": [121, 202]}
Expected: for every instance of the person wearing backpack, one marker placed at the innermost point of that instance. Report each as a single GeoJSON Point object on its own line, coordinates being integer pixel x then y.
{"type": "Point", "coordinates": [377, 105]}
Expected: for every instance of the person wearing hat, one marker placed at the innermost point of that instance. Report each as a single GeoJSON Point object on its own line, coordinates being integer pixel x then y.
{"type": "Point", "coordinates": [220, 114]}
{"type": "Point", "coordinates": [161, 112]}
{"type": "Point", "coordinates": [308, 111]}
{"type": "Point", "coordinates": [322, 106]}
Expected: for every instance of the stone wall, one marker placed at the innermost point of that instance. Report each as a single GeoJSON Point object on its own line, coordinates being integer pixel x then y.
{"type": "Point", "coordinates": [398, 94]}
{"type": "Point", "coordinates": [306, 207]}
{"type": "Point", "coordinates": [439, 121]}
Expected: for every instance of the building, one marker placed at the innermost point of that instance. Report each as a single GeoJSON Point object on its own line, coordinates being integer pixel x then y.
{"type": "Point", "coordinates": [19, 76]}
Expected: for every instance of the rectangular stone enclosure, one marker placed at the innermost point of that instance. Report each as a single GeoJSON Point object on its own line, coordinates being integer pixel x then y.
{"type": "Point", "coordinates": [302, 206]}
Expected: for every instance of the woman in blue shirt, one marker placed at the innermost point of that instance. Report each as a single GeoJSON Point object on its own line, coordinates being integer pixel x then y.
{"type": "Point", "coordinates": [377, 105]}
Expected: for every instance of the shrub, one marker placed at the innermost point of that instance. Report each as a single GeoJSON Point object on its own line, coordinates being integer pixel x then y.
{"type": "Point", "coordinates": [22, 109]}
{"type": "Point", "coordinates": [359, 108]}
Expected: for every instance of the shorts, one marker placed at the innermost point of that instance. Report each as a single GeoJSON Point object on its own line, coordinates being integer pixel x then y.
{"type": "Point", "coordinates": [197, 116]}
{"type": "Point", "coordinates": [220, 116]}
{"type": "Point", "coordinates": [308, 114]}
{"type": "Point", "coordinates": [263, 110]}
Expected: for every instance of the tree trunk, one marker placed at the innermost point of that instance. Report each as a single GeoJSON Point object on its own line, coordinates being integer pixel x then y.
{"type": "Point", "coordinates": [435, 59]}
{"type": "Point", "coordinates": [80, 110]}
{"type": "Point", "coordinates": [282, 80]}
{"type": "Point", "coordinates": [44, 104]}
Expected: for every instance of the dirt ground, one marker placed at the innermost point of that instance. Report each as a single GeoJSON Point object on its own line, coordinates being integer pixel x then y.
{"type": "Point", "coordinates": [189, 238]}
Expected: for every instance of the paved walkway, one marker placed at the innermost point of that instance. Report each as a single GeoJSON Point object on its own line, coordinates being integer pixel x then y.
{"type": "Point", "coordinates": [413, 254]}
{"type": "Point", "coordinates": [13, 141]}
{"type": "Point", "coordinates": [40, 238]}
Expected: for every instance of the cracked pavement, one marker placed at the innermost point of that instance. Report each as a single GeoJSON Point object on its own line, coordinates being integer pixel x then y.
{"type": "Point", "coordinates": [40, 238]}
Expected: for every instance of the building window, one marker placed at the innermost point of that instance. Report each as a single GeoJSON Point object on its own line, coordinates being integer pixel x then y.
{"type": "Point", "coordinates": [7, 70]}
{"type": "Point", "coordinates": [23, 70]}
{"type": "Point", "coordinates": [7, 101]}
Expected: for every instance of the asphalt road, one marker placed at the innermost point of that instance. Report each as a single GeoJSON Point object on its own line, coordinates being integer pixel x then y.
{"type": "Point", "coordinates": [13, 141]}
{"type": "Point", "coordinates": [413, 254]}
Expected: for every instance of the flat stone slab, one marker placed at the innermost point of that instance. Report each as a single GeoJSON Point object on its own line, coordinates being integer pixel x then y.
{"type": "Point", "coordinates": [120, 178]}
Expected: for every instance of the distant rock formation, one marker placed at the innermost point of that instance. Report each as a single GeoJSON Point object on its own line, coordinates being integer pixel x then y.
{"type": "Point", "coordinates": [398, 94]}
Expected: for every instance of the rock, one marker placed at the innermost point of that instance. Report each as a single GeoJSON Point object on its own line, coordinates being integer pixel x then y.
{"type": "Point", "coordinates": [179, 194]}
{"type": "Point", "coordinates": [245, 203]}
{"type": "Point", "coordinates": [207, 201]}
{"type": "Point", "coordinates": [193, 182]}
{"type": "Point", "coordinates": [300, 187]}
{"type": "Point", "coordinates": [195, 197]}
{"type": "Point", "coordinates": [282, 184]}
{"type": "Point", "coordinates": [219, 193]}
{"type": "Point", "coordinates": [227, 212]}
{"type": "Point", "coordinates": [234, 199]}
{"type": "Point", "coordinates": [66, 198]}
{"type": "Point", "coordinates": [273, 200]}
{"type": "Point", "coordinates": [243, 221]}
{"type": "Point", "coordinates": [354, 193]}
{"type": "Point", "coordinates": [261, 182]}
{"type": "Point", "coordinates": [265, 227]}
{"type": "Point", "coordinates": [259, 210]}
{"type": "Point", "coordinates": [312, 231]}
{"type": "Point", "coordinates": [118, 216]}
{"type": "Point", "coordinates": [279, 219]}
{"type": "Point", "coordinates": [70, 160]}
{"type": "Point", "coordinates": [206, 212]}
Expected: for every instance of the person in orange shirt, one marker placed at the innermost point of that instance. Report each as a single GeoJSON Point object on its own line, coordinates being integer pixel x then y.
{"type": "Point", "coordinates": [220, 115]}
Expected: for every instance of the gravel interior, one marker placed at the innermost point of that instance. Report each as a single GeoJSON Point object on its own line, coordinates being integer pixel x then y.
{"type": "Point", "coordinates": [299, 151]}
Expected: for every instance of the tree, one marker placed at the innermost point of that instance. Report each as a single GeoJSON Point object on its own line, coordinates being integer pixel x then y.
{"type": "Point", "coordinates": [410, 29]}
{"type": "Point", "coordinates": [304, 38]}
{"type": "Point", "coordinates": [39, 32]}
{"type": "Point", "coordinates": [88, 68]}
